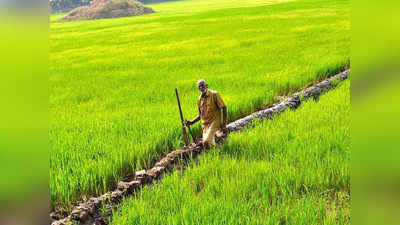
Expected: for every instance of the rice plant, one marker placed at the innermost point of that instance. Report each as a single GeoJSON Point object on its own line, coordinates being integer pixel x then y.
{"type": "Point", "coordinates": [112, 103]}
{"type": "Point", "coordinates": [294, 169]}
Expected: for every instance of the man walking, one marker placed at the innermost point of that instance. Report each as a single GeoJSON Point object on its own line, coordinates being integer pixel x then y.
{"type": "Point", "coordinates": [209, 105]}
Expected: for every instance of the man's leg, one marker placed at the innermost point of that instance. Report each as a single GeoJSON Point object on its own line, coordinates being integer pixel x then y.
{"type": "Point", "coordinates": [208, 136]}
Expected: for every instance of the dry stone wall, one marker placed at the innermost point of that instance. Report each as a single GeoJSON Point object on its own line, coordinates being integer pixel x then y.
{"type": "Point", "coordinates": [292, 102]}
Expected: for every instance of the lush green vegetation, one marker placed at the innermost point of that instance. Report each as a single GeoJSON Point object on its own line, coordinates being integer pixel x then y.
{"type": "Point", "coordinates": [112, 103]}
{"type": "Point", "coordinates": [294, 169]}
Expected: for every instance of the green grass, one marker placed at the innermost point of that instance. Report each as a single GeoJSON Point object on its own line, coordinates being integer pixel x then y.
{"type": "Point", "coordinates": [294, 169]}
{"type": "Point", "coordinates": [112, 102]}
{"type": "Point", "coordinates": [55, 17]}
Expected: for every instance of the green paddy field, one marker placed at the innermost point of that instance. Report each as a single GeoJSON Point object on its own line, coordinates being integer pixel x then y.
{"type": "Point", "coordinates": [113, 108]}
{"type": "Point", "coordinates": [294, 169]}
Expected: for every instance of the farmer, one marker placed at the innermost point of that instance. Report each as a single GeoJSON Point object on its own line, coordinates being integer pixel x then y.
{"type": "Point", "coordinates": [209, 105]}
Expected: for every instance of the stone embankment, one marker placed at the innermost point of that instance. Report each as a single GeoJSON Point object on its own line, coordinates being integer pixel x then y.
{"type": "Point", "coordinates": [292, 102]}
{"type": "Point", "coordinates": [97, 210]}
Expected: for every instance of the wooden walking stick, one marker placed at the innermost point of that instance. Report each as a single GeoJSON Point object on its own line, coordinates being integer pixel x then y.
{"type": "Point", "coordinates": [185, 136]}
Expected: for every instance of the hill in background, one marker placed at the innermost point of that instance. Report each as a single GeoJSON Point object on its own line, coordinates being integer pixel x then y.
{"type": "Point", "coordinates": [108, 9]}
{"type": "Point", "coordinates": [63, 6]}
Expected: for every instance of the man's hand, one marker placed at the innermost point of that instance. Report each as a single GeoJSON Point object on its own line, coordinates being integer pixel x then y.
{"type": "Point", "coordinates": [223, 127]}
{"type": "Point", "coordinates": [188, 123]}
{"type": "Point", "coordinates": [224, 119]}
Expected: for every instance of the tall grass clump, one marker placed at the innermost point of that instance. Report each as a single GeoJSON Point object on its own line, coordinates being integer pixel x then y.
{"type": "Point", "coordinates": [292, 170]}
{"type": "Point", "coordinates": [112, 103]}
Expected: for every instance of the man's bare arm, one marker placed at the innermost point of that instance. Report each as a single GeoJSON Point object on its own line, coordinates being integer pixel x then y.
{"type": "Point", "coordinates": [191, 122]}
{"type": "Point", "coordinates": [194, 120]}
{"type": "Point", "coordinates": [224, 117]}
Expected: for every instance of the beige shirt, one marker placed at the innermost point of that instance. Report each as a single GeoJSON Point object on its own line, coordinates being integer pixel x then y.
{"type": "Point", "coordinates": [210, 108]}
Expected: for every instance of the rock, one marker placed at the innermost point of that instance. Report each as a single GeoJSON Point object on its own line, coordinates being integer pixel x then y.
{"type": "Point", "coordinates": [294, 102]}
{"type": "Point", "coordinates": [277, 109]}
{"type": "Point", "coordinates": [75, 212]}
{"type": "Point", "coordinates": [266, 113]}
{"type": "Point", "coordinates": [105, 197]}
{"type": "Point", "coordinates": [165, 162]}
{"type": "Point", "coordinates": [198, 147]}
{"type": "Point", "coordinates": [94, 202]}
{"type": "Point", "coordinates": [133, 185]}
{"type": "Point", "coordinates": [58, 222]}
{"type": "Point", "coordinates": [128, 187]}
{"type": "Point", "coordinates": [316, 92]}
{"type": "Point", "coordinates": [156, 171]}
{"type": "Point", "coordinates": [143, 177]}
{"type": "Point", "coordinates": [83, 216]}
{"type": "Point", "coordinates": [53, 216]}
{"type": "Point", "coordinates": [99, 221]}
{"type": "Point", "coordinates": [182, 153]}
{"type": "Point", "coordinates": [140, 173]}
{"type": "Point", "coordinates": [79, 214]}
{"type": "Point", "coordinates": [58, 214]}
{"type": "Point", "coordinates": [172, 156]}
{"type": "Point", "coordinates": [123, 185]}
{"type": "Point", "coordinates": [116, 195]}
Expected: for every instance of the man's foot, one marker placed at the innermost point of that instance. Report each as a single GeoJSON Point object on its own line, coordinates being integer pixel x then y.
{"type": "Point", "coordinates": [206, 146]}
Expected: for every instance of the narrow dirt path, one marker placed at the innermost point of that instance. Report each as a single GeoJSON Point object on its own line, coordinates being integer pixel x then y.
{"type": "Point", "coordinates": [98, 210]}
